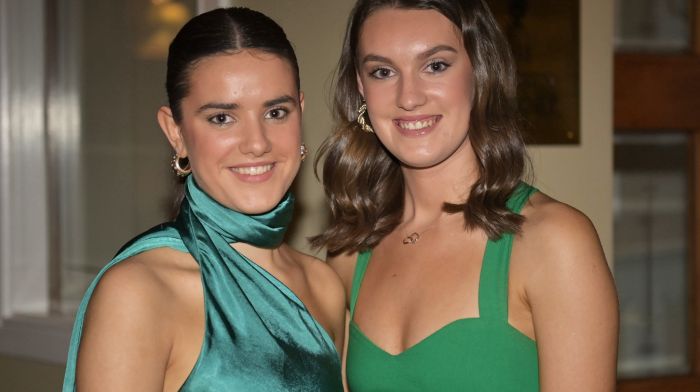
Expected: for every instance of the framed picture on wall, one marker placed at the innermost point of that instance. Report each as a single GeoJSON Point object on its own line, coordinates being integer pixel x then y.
{"type": "Point", "coordinates": [544, 37]}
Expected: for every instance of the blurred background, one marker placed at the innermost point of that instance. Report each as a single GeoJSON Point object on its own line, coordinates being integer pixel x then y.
{"type": "Point", "coordinates": [84, 166]}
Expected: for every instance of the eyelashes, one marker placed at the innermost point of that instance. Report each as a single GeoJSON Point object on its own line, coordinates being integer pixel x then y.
{"type": "Point", "coordinates": [437, 66]}
{"type": "Point", "coordinates": [433, 67]}
{"type": "Point", "coordinates": [277, 113]}
{"type": "Point", "coordinates": [381, 73]}
{"type": "Point", "coordinates": [223, 119]}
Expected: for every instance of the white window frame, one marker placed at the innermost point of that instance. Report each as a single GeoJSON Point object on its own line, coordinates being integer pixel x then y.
{"type": "Point", "coordinates": [24, 219]}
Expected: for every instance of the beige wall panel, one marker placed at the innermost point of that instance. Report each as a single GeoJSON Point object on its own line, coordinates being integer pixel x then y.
{"type": "Point", "coordinates": [582, 175]}
{"type": "Point", "coordinates": [29, 376]}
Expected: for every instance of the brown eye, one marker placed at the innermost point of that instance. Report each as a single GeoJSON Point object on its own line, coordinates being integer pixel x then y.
{"type": "Point", "coordinates": [220, 119]}
{"type": "Point", "coordinates": [381, 73]}
{"type": "Point", "coordinates": [277, 114]}
{"type": "Point", "coordinates": [437, 66]}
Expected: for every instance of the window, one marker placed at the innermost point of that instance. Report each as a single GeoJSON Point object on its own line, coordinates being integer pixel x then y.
{"type": "Point", "coordinates": [80, 83]}
{"type": "Point", "coordinates": [657, 161]}
{"type": "Point", "coordinates": [652, 25]}
{"type": "Point", "coordinates": [652, 183]}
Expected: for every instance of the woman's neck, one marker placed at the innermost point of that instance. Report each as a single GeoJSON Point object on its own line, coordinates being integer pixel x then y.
{"type": "Point", "coordinates": [263, 257]}
{"type": "Point", "coordinates": [427, 189]}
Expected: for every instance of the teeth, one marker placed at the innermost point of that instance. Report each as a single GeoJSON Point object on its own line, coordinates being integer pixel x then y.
{"type": "Point", "coordinates": [253, 170]}
{"type": "Point", "coordinates": [416, 125]}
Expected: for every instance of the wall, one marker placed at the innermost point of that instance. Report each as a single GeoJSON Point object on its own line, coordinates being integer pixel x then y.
{"type": "Point", "coordinates": [583, 175]}
{"type": "Point", "coordinates": [29, 376]}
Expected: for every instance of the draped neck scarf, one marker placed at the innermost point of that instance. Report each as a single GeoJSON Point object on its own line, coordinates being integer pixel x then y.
{"type": "Point", "coordinates": [200, 214]}
{"type": "Point", "coordinates": [267, 324]}
{"type": "Point", "coordinates": [258, 335]}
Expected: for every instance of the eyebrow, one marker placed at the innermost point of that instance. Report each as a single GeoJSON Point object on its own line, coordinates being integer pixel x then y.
{"type": "Point", "coordinates": [233, 106]}
{"type": "Point", "coordinates": [437, 49]}
{"type": "Point", "coordinates": [217, 105]}
{"type": "Point", "coordinates": [423, 55]}
{"type": "Point", "coordinates": [279, 100]}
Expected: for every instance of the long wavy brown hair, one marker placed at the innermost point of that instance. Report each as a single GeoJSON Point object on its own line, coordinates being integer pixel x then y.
{"type": "Point", "coordinates": [363, 181]}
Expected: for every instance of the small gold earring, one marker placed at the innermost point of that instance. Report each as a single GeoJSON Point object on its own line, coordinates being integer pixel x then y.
{"type": "Point", "coordinates": [364, 125]}
{"type": "Point", "coordinates": [303, 151]}
{"type": "Point", "coordinates": [177, 165]}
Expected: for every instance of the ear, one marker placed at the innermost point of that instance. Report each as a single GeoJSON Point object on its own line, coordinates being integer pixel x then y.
{"type": "Point", "coordinates": [171, 130]}
{"type": "Point", "coordinates": [360, 87]}
{"type": "Point", "coordinates": [301, 100]}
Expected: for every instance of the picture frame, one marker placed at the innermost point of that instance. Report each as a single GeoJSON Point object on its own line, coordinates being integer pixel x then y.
{"type": "Point", "coordinates": [544, 39]}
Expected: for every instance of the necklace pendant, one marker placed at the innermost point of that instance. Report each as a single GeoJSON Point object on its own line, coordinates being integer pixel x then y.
{"type": "Point", "coordinates": [411, 238]}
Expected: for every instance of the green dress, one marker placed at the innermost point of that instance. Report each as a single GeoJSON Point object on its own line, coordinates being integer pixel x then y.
{"type": "Point", "coordinates": [484, 354]}
{"type": "Point", "coordinates": [258, 334]}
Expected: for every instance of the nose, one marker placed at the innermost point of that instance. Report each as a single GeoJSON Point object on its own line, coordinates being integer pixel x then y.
{"type": "Point", "coordinates": [255, 141]}
{"type": "Point", "coordinates": [410, 94]}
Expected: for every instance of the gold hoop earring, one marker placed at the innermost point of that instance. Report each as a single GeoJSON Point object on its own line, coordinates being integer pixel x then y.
{"type": "Point", "coordinates": [177, 166]}
{"type": "Point", "coordinates": [303, 151]}
{"type": "Point", "coordinates": [364, 125]}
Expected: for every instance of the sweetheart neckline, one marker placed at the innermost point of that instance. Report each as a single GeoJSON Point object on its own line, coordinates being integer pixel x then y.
{"type": "Point", "coordinates": [437, 332]}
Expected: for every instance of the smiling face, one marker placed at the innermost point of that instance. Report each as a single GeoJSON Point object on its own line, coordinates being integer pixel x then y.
{"type": "Point", "coordinates": [240, 129]}
{"type": "Point", "coordinates": [416, 77]}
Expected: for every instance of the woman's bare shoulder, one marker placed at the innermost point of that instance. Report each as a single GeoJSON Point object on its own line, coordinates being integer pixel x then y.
{"type": "Point", "coordinates": [147, 276]}
{"type": "Point", "coordinates": [127, 337]}
{"type": "Point", "coordinates": [570, 290]}
{"type": "Point", "coordinates": [558, 241]}
{"type": "Point", "coordinates": [559, 248]}
{"type": "Point", "coordinates": [555, 227]}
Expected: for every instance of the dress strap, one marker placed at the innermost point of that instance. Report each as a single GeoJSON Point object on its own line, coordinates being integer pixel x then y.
{"type": "Point", "coordinates": [493, 283]}
{"type": "Point", "coordinates": [360, 268]}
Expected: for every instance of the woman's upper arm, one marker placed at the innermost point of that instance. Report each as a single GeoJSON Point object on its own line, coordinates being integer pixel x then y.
{"type": "Point", "coordinates": [123, 345]}
{"type": "Point", "coordinates": [335, 296]}
{"type": "Point", "coordinates": [574, 305]}
{"type": "Point", "coordinates": [344, 267]}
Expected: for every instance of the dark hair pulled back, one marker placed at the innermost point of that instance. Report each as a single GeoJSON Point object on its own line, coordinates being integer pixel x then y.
{"type": "Point", "coordinates": [221, 31]}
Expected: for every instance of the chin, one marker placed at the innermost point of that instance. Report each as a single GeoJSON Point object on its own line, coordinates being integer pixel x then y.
{"type": "Point", "coordinates": [248, 198]}
{"type": "Point", "coordinates": [255, 205]}
{"type": "Point", "coordinates": [419, 165]}
{"type": "Point", "coordinates": [421, 161]}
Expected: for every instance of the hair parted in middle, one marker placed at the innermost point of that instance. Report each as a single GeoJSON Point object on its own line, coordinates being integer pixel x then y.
{"type": "Point", "coordinates": [222, 31]}
{"type": "Point", "coordinates": [218, 32]}
{"type": "Point", "coordinates": [363, 181]}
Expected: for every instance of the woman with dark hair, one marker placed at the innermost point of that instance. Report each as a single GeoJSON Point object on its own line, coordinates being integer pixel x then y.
{"type": "Point", "coordinates": [215, 300]}
{"type": "Point", "coordinates": [459, 275]}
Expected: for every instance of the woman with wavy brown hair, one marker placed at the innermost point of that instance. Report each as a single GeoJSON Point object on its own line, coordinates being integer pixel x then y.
{"type": "Point", "coordinates": [459, 275]}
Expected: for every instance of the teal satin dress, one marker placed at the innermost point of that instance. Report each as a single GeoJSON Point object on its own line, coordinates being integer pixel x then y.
{"type": "Point", "coordinates": [258, 334]}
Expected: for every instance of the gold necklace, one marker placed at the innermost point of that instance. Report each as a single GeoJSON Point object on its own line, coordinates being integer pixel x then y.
{"type": "Point", "coordinates": [411, 238]}
{"type": "Point", "coordinates": [414, 237]}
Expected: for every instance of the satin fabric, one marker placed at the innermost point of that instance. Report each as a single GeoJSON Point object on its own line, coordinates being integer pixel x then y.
{"type": "Point", "coordinates": [481, 354]}
{"type": "Point", "coordinates": [258, 336]}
